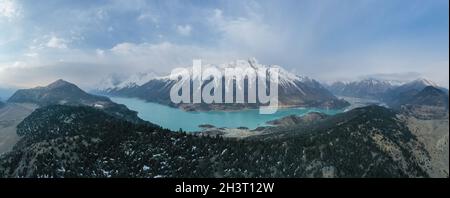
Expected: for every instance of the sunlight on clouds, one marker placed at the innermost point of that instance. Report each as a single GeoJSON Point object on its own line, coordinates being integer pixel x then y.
{"type": "Point", "coordinates": [9, 9]}
{"type": "Point", "coordinates": [56, 42]}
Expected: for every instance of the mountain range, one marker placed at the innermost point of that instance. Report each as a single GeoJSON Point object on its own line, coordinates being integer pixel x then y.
{"type": "Point", "coordinates": [391, 92]}
{"type": "Point", "coordinates": [293, 91]}
{"type": "Point", "coordinates": [367, 88]}
{"type": "Point", "coordinates": [76, 134]}
{"type": "Point", "coordinates": [401, 94]}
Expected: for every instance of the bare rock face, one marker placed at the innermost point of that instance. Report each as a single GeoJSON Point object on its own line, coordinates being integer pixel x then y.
{"type": "Point", "coordinates": [434, 135]}
{"type": "Point", "coordinates": [425, 112]}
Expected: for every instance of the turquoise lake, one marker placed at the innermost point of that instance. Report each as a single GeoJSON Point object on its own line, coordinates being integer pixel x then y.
{"type": "Point", "coordinates": [174, 119]}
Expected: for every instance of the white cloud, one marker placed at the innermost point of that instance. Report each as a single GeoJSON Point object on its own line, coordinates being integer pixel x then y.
{"type": "Point", "coordinates": [147, 16]}
{"type": "Point", "coordinates": [57, 43]}
{"type": "Point", "coordinates": [217, 14]}
{"type": "Point", "coordinates": [32, 54]}
{"type": "Point", "coordinates": [162, 56]}
{"type": "Point", "coordinates": [250, 34]}
{"type": "Point", "coordinates": [246, 31]}
{"type": "Point", "coordinates": [9, 9]}
{"type": "Point", "coordinates": [101, 14]}
{"type": "Point", "coordinates": [124, 48]}
{"type": "Point", "coordinates": [85, 68]}
{"type": "Point", "coordinates": [184, 30]}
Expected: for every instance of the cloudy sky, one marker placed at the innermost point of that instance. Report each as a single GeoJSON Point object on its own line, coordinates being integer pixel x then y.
{"type": "Point", "coordinates": [83, 41]}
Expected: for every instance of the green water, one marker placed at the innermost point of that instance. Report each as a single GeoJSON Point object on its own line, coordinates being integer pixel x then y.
{"type": "Point", "coordinates": [174, 119]}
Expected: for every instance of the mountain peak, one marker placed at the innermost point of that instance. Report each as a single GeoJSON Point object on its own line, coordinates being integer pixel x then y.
{"type": "Point", "coordinates": [59, 83]}
{"type": "Point", "coordinates": [58, 92]}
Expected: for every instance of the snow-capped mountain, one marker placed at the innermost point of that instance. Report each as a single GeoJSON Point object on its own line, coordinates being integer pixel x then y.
{"type": "Point", "coordinates": [367, 88]}
{"type": "Point", "coordinates": [418, 84]}
{"type": "Point", "coordinates": [394, 97]}
{"type": "Point", "coordinates": [116, 81]}
{"type": "Point", "coordinates": [390, 92]}
{"type": "Point", "coordinates": [293, 90]}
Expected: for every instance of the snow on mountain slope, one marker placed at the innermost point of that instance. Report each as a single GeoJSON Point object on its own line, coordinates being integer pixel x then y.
{"type": "Point", "coordinates": [286, 79]}
{"type": "Point", "coordinates": [137, 80]}
{"type": "Point", "coordinates": [117, 81]}
{"type": "Point", "coordinates": [293, 90]}
{"type": "Point", "coordinates": [367, 88]}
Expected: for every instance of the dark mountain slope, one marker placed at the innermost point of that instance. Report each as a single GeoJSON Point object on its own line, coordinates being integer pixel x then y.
{"type": "Point", "coordinates": [430, 103]}
{"type": "Point", "coordinates": [430, 96]}
{"type": "Point", "coordinates": [372, 137]}
{"type": "Point", "coordinates": [64, 141]}
{"type": "Point", "coordinates": [400, 95]}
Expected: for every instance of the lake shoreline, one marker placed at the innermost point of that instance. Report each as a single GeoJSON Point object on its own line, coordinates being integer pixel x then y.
{"type": "Point", "coordinates": [176, 119]}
